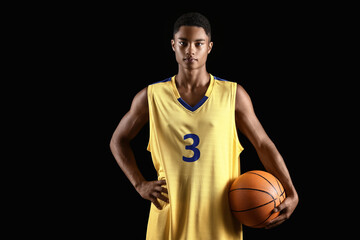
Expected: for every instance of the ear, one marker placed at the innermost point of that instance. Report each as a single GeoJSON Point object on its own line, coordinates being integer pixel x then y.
{"type": "Point", "coordinates": [210, 47]}
{"type": "Point", "coordinates": [173, 44]}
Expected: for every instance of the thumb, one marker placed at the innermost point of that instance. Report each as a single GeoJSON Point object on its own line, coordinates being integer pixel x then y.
{"type": "Point", "coordinates": [281, 207]}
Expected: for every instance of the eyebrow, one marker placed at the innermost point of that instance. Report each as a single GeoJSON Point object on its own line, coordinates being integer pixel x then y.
{"type": "Point", "coordinates": [197, 40]}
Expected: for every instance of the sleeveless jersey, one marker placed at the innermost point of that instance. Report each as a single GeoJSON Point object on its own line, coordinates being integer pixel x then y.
{"type": "Point", "coordinates": [196, 150]}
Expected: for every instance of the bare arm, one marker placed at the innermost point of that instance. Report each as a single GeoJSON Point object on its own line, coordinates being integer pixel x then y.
{"type": "Point", "coordinates": [128, 128]}
{"type": "Point", "coordinates": [250, 126]}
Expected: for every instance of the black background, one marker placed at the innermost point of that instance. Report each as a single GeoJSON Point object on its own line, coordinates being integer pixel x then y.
{"type": "Point", "coordinates": [95, 58]}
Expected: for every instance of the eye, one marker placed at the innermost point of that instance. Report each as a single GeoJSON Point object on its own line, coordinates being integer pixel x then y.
{"type": "Point", "coordinates": [199, 44]}
{"type": "Point", "coordinates": [182, 43]}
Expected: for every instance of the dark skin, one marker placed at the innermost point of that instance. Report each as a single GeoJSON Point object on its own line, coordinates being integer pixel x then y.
{"type": "Point", "coordinates": [191, 46]}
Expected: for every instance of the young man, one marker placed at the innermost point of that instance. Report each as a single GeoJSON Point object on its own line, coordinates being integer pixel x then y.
{"type": "Point", "coordinates": [194, 118]}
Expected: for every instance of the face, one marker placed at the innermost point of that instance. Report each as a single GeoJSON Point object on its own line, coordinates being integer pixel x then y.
{"type": "Point", "coordinates": [191, 46]}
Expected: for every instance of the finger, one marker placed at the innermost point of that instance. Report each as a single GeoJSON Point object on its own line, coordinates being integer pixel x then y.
{"type": "Point", "coordinates": [281, 217]}
{"type": "Point", "coordinates": [156, 203]}
{"type": "Point", "coordinates": [281, 207]}
{"type": "Point", "coordinates": [277, 221]}
{"type": "Point", "coordinates": [161, 189]}
{"type": "Point", "coordinates": [161, 197]}
{"type": "Point", "coordinates": [274, 224]}
{"type": "Point", "coordinates": [164, 190]}
{"type": "Point", "coordinates": [161, 182]}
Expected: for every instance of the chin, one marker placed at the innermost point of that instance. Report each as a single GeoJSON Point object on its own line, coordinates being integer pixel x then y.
{"type": "Point", "coordinates": [192, 66]}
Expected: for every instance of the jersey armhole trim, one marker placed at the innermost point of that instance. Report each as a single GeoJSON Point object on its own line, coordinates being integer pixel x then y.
{"type": "Point", "coordinates": [149, 92]}
{"type": "Point", "coordinates": [220, 79]}
{"type": "Point", "coordinates": [239, 146]}
{"type": "Point", "coordinates": [165, 80]}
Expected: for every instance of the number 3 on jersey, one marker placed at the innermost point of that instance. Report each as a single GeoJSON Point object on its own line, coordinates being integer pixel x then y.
{"type": "Point", "coordinates": [192, 147]}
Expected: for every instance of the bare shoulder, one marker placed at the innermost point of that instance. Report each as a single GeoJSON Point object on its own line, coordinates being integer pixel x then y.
{"type": "Point", "coordinates": [140, 102]}
{"type": "Point", "coordinates": [243, 101]}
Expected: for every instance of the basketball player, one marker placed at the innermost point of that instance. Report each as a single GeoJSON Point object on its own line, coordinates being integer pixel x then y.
{"type": "Point", "coordinates": [194, 117]}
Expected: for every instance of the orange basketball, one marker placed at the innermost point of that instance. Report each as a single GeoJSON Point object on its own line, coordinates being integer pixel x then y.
{"type": "Point", "coordinates": [253, 197]}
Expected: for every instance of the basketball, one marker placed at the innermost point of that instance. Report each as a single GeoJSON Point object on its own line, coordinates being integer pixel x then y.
{"type": "Point", "coordinates": [253, 197]}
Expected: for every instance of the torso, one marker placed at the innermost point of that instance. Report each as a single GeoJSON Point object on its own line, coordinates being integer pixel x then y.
{"type": "Point", "coordinates": [195, 148]}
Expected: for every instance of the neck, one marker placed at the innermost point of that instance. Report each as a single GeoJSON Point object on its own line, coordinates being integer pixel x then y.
{"type": "Point", "coordinates": [192, 78]}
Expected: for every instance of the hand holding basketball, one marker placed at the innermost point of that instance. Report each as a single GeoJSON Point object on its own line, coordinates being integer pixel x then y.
{"type": "Point", "coordinates": [286, 208]}
{"type": "Point", "coordinates": [253, 197]}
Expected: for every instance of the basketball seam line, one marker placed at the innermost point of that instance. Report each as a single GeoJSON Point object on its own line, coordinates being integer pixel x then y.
{"type": "Point", "coordinates": [266, 180]}
{"type": "Point", "coordinates": [274, 199]}
{"type": "Point", "coordinates": [254, 207]}
{"type": "Point", "coordinates": [278, 183]}
{"type": "Point", "coordinates": [255, 189]}
{"type": "Point", "coordinates": [282, 193]}
{"type": "Point", "coordinates": [261, 222]}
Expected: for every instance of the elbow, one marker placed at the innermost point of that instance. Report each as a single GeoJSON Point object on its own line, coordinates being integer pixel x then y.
{"type": "Point", "coordinates": [117, 141]}
{"type": "Point", "coordinates": [113, 144]}
{"type": "Point", "coordinates": [114, 141]}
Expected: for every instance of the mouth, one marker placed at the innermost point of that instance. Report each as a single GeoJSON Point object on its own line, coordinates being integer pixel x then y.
{"type": "Point", "coordinates": [190, 59]}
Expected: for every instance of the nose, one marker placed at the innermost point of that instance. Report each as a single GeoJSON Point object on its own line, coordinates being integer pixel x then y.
{"type": "Point", "coordinates": [190, 50]}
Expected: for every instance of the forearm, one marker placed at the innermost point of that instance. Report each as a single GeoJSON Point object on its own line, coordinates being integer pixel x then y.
{"type": "Point", "coordinates": [125, 158]}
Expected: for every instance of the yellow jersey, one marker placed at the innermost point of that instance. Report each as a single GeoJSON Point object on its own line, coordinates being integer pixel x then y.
{"type": "Point", "coordinates": [196, 150]}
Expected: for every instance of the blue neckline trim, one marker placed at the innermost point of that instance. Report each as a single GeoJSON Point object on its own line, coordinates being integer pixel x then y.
{"type": "Point", "coordinates": [188, 107]}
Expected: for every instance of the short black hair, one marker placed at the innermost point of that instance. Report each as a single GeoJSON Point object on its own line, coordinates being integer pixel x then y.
{"type": "Point", "coordinates": [193, 19]}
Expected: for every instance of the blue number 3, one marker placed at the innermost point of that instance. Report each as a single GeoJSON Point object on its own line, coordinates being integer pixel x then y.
{"type": "Point", "coordinates": [192, 147]}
